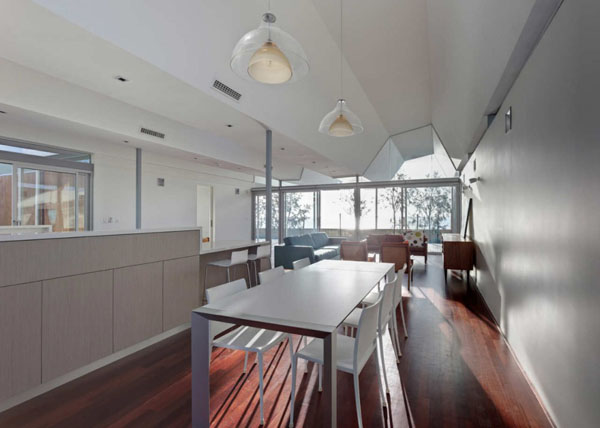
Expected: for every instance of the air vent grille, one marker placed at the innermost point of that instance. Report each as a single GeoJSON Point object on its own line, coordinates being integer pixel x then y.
{"type": "Point", "coordinates": [222, 87]}
{"type": "Point", "coordinates": [153, 133]}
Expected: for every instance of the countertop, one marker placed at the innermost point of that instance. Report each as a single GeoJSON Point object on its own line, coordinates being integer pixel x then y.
{"type": "Point", "coordinates": [217, 246]}
{"type": "Point", "coordinates": [63, 235]}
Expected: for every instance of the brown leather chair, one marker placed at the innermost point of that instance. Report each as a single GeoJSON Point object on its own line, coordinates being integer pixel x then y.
{"type": "Point", "coordinates": [399, 254]}
{"type": "Point", "coordinates": [354, 250]}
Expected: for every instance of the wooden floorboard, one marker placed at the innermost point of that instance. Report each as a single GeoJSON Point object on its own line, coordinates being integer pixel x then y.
{"type": "Point", "coordinates": [456, 371]}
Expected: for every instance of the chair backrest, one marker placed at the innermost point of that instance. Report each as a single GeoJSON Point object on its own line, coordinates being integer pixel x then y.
{"type": "Point", "coordinates": [214, 294]}
{"type": "Point", "coordinates": [393, 238]}
{"type": "Point", "coordinates": [354, 250]}
{"type": "Point", "coordinates": [239, 257]}
{"type": "Point", "coordinates": [398, 292]}
{"type": "Point", "coordinates": [387, 304]}
{"type": "Point", "coordinates": [366, 335]}
{"type": "Point", "coordinates": [271, 274]}
{"type": "Point", "coordinates": [395, 252]}
{"type": "Point", "coordinates": [299, 264]}
{"type": "Point", "coordinates": [263, 251]}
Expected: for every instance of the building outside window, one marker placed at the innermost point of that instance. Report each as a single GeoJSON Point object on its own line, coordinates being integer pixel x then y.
{"type": "Point", "coordinates": [44, 186]}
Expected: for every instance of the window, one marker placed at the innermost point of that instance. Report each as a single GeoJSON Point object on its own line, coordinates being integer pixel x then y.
{"type": "Point", "coordinates": [430, 209]}
{"type": "Point", "coordinates": [368, 212]}
{"type": "Point", "coordinates": [390, 209]}
{"type": "Point", "coordinates": [260, 221]}
{"type": "Point", "coordinates": [6, 176]}
{"type": "Point", "coordinates": [337, 212]}
{"type": "Point", "coordinates": [44, 186]}
{"type": "Point", "coordinates": [300, 213]}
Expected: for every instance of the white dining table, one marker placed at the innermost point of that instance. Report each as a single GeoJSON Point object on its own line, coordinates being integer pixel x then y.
{"type": "Point", "coordinates": [313, 301]}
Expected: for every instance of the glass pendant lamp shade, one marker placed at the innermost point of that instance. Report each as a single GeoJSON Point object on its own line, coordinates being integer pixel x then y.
{"type": "Point", "coordinates": [269, 65]}
{"type": "Point", "coordinates": [269, 55]}
{"type": "Point", "coordinates": [341, 122]}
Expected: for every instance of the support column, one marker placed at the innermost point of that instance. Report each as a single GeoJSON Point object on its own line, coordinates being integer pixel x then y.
{"type": "Point", "coordinates": [268, 179]}
{"type": "Point", "coordinates": [138, 188]}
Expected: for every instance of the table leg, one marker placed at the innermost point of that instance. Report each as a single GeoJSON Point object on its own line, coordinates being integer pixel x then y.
{"type": "Point", "coordinates": [330, 380]}
{"type": "Point", "coordinates": [200, 372]}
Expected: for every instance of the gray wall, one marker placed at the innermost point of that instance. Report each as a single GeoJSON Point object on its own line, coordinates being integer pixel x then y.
{"type": "Point", "coordinates": [536, 217]}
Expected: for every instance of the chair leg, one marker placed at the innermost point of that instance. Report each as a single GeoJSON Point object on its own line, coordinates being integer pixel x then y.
{"type": "Point", "coordinates": [249, 280]}
{"type": "Point", "coordinates": [403, 321]}
{"type": "Point", "coordinates": [408, 281]}
{"type": "Point", "coordinates": [380, 341]}
{"type": "Point", "coordinates": [256, 265]}
{"type": "Point", "coordinates": [357, 399]}
{"type": "Point", "coordinates": [228, 276]}
{"type": "Point", "coordinates": [320, 377]}
{"type": "Point", "coordinates": [246, 362]}
{"type": "Point", "coordinates": [260, 386]}
{"type": "Point", "coordinates": [293, 397]}
{"type": "Point", "coordinates": [393, 337]}
{"type": "Point", "coordinates": [395, 333]}
{"type": "Point", "coordinates": [205, 278]}
{"type": "Point", "coordinates": [381, 394]}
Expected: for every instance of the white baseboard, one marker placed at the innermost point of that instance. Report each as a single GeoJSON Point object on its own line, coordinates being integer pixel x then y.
{"type": "Point", "coordinates": [68, 377]}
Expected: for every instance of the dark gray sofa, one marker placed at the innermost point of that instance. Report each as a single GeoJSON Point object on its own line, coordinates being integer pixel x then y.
{"type": "Point", "coordinates": [316, 246]}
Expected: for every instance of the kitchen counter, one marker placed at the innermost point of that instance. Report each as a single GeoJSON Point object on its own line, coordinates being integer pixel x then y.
{"type": "Point", "coordinates": [218, 246]}
{"type": "Point", "coordinates": [29, 236]}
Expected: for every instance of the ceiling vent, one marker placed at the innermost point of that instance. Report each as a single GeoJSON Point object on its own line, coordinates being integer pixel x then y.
{"type": "Point", "coordinates": [153, 133]}
{"type": "Point", "coordinates": [222, 87]}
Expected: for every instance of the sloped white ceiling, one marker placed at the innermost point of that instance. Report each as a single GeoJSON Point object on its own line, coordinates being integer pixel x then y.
{"type": "Point", "coordinates": [408, 64]}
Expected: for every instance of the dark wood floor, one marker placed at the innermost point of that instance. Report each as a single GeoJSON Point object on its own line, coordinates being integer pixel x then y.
{"type": "Point", "coordinates": [456, 371]}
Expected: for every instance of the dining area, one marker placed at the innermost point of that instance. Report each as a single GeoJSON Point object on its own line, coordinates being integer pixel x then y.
{"type": "Point", "coordinates": [316, 345]}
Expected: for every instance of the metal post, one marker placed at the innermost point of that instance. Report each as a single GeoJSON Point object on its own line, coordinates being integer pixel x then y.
{"type": "Point", "coordinates": [138, 188]}
{"type": "Point", "coordinates": [268, 179]}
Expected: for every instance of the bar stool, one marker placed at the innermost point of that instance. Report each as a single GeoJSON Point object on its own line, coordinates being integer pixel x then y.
{"type": "Point", "coordinates": [262, 252]}
{"type": "Point", "coordinates": [237, 258]}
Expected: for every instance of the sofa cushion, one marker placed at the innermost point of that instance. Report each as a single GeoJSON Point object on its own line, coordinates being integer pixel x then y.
{"type": "Point", "coordinates": [299, 240]}
{"type": "Point", "coordinates": [325, 253]}
{"type": "Point", "coordinates": [320, 239]}
{"type": "Point", "coordinates": [415, 237]}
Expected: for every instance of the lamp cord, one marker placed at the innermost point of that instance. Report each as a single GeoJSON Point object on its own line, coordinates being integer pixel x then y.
{"type": "Point", "coordinates": [341, 49]}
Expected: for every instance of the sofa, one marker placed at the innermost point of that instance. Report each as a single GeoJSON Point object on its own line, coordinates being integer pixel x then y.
{"type": "Point", "coordinates": [316, 246]}
{"type": "Point", "coordinates": [416, 239]}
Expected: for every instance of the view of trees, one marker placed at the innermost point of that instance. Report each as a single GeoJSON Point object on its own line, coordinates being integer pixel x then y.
{"type": "Point", "coordinates": [399, 208]}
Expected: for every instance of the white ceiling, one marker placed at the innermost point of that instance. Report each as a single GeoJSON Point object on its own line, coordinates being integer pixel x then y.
{"type": "Point", "coordinates": [408, 64]}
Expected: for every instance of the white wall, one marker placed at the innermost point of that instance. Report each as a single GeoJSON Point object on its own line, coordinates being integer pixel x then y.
{"type": "Point", "coordinates": [170, 206]}
{"type": "Point", "coordinates": [175, 204]}
{"type": "Point", "coordinates": [535, 216]}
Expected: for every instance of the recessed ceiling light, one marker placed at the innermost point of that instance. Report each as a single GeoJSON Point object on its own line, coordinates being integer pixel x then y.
{"type": "Point", "coordinates": [229, 125]}
{"type": "Point", "coordinates": [195, 158]}
{"type": "Point", "coordinates": [2, 112]}
{"type": "Point", "coordinates": [282, 148]}
{"type": "Point", "coordinates": [126, 141]}
{"type": "Point", "coordinates": [314, 162]}
{"type": "Point", "coordinates": [121, 79]}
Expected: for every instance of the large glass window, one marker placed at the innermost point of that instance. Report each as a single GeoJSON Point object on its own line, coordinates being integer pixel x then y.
{"type": "Point", "coordinates": [368, 212]}
{"type": "Point", "coordinates": [390, 209]}
{"type": "Point", "coordinates": [430, 209]}
{"type": "Point", "coordinates": [6, 184]}
{"type": "Point", "coordinates": [300, 213]}
{"type": "Point", "coordinates": [261, 219]}
{"type": "Point", "coordinates": [337, 212]}
{"type": "Point", "coordinates": [44, 186]}
{"type": "Point", "coordinates": [46, 198]}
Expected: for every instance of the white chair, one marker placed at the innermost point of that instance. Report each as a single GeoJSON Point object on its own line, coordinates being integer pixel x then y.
{"type": "Point", "coordinates": [262, 252]}
{"type": "Point", "coordinates": [249, 339]}
{"type": "Point", "coordinates": [237, 258]}
{"type": "Point", "coordinates": [352, 355]}
{"type": "Point", "coordinates": [302, 263]}
{"type": "Point", "coordinates": [385, 321]}
{"type": "Point", "coordinates": [271, 274]}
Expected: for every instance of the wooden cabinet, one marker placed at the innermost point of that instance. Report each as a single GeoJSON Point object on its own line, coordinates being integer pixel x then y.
{"type": "Point", "coordinates": [459, 253]}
